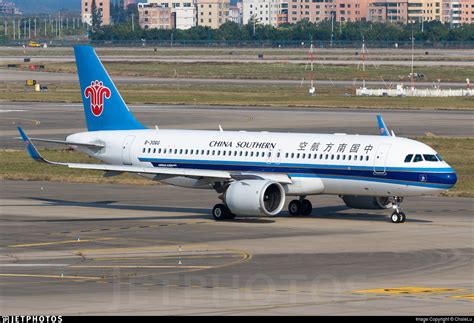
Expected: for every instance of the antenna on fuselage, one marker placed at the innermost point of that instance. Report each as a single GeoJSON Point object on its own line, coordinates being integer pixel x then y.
{"type": "Point", "coordinates": [220, 128]}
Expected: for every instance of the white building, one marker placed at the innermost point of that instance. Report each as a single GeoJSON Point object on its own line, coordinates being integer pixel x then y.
{"type": "Point", "coordinates": [185, 11]}
{"type": "Point", "coordinates": [235, 13]}
{"type": "Point", "coordinates": [264, 11]}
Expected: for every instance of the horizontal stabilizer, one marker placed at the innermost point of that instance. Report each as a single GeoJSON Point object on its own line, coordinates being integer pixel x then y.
{"type": "Point", "coordinates": [64, 142]}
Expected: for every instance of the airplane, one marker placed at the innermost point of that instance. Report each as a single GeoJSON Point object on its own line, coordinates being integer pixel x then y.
{"type": "Point", "coordinates": [252, 172]}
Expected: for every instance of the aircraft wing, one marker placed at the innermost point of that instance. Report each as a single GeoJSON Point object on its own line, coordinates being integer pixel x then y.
{"type": "Point", "coordinates": [168, 172]}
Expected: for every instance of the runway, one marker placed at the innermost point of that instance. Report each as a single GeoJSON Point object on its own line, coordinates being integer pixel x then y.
{"type": "Point", "coordinates": [119, 249]}
{"type": "Point", "coordinates": [57, 120]}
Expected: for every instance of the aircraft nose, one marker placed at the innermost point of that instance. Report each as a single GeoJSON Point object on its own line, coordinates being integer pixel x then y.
{"type": "Point", "coordinates": [451, 178]}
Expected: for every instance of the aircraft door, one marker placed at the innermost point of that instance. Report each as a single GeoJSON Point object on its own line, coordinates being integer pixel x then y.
{"type": "Point", "coordinates": [381, 159]}
{"type": "Point", "coordinates": [127, 144]}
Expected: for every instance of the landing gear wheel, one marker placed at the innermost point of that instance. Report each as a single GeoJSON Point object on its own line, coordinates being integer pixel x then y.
{"type": "Point", "coordinates": [295, 207]}
{"type": "Point", "coordinates": [402, 217]}
{"type": "Point", "coordinates": [395, 217]}
{"type": "Point", "coordinates": [220, 212]}
{"type": "Point", "coordinates": [307, 207]}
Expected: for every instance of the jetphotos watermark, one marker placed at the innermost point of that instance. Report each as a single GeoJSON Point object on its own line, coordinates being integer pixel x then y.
{"type": "Point", "coordinates": [31, 319]}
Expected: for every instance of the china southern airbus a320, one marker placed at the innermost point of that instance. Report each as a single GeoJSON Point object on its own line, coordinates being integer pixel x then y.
{"type": "Point", "coordinates": [252, 172]}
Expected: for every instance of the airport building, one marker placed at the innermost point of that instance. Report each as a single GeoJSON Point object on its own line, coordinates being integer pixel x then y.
{"type": "Point", "coordinates": [155, 16]}
{"type": "Point", "coordinates": [184, 10]}
{"type": "Point", "coordinates": [212, 13]}
{"type": "Point", "coordinates": [102, 5]}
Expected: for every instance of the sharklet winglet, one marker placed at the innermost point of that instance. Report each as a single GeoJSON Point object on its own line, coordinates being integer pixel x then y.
{"type": "Point", "coordinates": [382, 127]}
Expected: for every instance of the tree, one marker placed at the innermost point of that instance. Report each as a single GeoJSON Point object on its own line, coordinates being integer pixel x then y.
{"type": "Point", "coordinates": [96, 17]}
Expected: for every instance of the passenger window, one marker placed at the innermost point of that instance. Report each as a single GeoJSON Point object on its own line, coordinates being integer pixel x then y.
{"type": "Point", "coordinates": [176, 151]}
{"type": "Point", "coordinates": [286, 155]}
{"type": "Point", "coordinates": [298, 155]}
{"type": "Point", "coordinates": [327, 156]}
{"type": "Point", "coordinates": [303, 156]}
{"type": "Point", "coordinates": [343, 157]}
{"type": "Point", "coordinates": [208, 152]}
{"type": "Point", "coordinates": [332, 157]}
{"type": "Point", "coordinates": [349, 157]}
{"type": "Point", "coordinates": [367, 158]}
{"type": "Point", "coordinates": [180, 151]}
{"type": "Point", "coordinates": [361, 157]}
{"type": "Point", "coordinates": [218, 153]}
{"type": "Point", "coordinates": [430, 158]}
{"type": "Point", "coordinates": [202, 152]}
{"type": "Point", "coordinates": [213, 152]}
{"type": "Point", "coordinates": [408, 158]}
{"type": "Point", "coordinates": [278, 155]}
{"type": "Point", "coordinates": [154, 150]}
{"type": "Point", "coordinates": [292, 155]}
{"type": "Point", "coordinates": [269, 154]}
{"type": "Point", "coordinates": [417, 159]}
{"type": "Point", "coordinates": [240, 154]}
{"type": "Point", "coordinates": [144, 149]}
{"type": "Point", "coordinates": [256, 154]}
{"type": "Point", "coordinates": [149, 150]}
{"type": "Point", "coordinates": [246, 153]}
{"type": "Point", "coordinates": [320, 156]}
{"type": "Point", "coordinates": [251, 154]}
{"type": "Point", "coordinates": [338, 157]}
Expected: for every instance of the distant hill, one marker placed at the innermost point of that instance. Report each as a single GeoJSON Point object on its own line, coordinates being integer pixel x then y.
{"type": "Point", "coordinates": [47, 6]}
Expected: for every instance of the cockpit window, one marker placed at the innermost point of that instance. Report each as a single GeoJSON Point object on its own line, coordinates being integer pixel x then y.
{"type": "Point", "coordinates": [430, 158]}
{"type": "Point", "coordinates": [418, 158]}
{"type": "Point", "coordinates": [439, 157]}
{"type": "Point", "coordinates": [408, 158]}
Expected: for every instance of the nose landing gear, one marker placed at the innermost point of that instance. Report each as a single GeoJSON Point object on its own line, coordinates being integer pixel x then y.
{"type": "Point", "coordinates": [397, 216]}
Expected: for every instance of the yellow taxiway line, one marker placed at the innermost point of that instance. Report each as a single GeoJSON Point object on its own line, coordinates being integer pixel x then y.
{"type": "Point", "coordinates": [144, 266]}
{"type": "Point", "coordinates": [50, 276]}
{"type": "Point", "coordinates": [39, 244]}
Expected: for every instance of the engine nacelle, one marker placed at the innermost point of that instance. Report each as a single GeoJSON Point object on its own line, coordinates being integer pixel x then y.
{"type": "Point", "coordinates": [368, 202]}
{"type": "Point", "coordinates": [255, 197]}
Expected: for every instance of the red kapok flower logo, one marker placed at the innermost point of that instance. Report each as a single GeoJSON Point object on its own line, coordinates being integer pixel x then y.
{"type": "Point", "coordinates": [97, 92]}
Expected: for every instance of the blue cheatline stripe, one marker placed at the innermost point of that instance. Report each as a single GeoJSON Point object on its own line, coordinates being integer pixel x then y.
{"type": "Point", "coordinates": [433, 179]}
{"type": "Point", "coordinates": [420, 184]}
{"type": "Point", "coordinates": [273, 165]}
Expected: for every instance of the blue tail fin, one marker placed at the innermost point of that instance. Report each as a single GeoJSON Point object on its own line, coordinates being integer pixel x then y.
{"type": "Point", "coordinates": [103, 106]}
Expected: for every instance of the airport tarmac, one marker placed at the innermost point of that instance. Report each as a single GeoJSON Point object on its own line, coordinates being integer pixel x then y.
{"type": "Point", "coordinates": [57, 120]}
{"type": "Point", "coordinates": [119, 249]}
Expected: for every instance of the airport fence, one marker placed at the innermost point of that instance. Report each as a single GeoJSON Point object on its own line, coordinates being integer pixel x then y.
{"type": "Point", "coordinates": [248, 44]}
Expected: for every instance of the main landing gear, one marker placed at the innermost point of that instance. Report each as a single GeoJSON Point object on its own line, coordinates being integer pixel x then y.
{"type": "Point", "coordinates": [221, 212]}
{"type": "Point", "coordinates": [300, 207]}
{"type": "Point", "coordinates": [397, 215]}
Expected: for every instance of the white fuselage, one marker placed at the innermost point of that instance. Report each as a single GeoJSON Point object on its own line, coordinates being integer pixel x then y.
{"type": "Point", "coordinates": [315, 163]}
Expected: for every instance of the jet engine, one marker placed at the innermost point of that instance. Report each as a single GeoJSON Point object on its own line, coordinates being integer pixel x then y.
{"type": "Point", "coordinates": [255, 197]}
{"type": "Point", "coordinates": [368, 202]}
